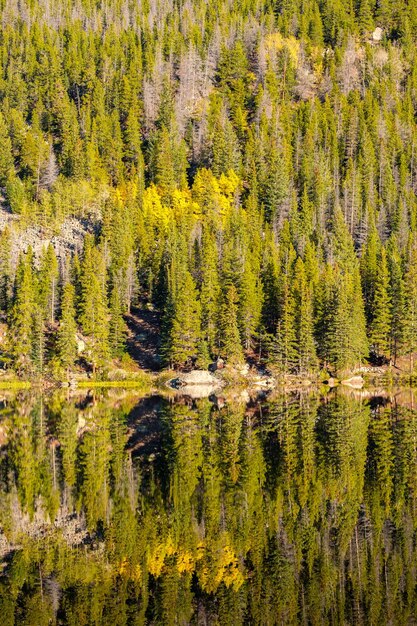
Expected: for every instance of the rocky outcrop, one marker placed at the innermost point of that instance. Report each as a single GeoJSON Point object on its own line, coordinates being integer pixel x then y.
{"type": "Point", "coordinates": [67, 239]}
{"type": "Point", "coordinates": [196, 377]}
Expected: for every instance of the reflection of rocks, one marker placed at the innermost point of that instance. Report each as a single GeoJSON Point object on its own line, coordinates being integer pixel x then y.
{"type": "Point", "coordinates": [5, 548]}
{"type": "Point", "coordinates": [74, 530]}
{"type": "Point", "coordinates": [196, 384]}
{"type": "Point", "coordinates": [244, 370]}
{"type": "Point", "coordinates": [3, 435]}
{"type": "Point", "coordinates": [217, 365]}
{"type": "Point", "coordinates": [331, 382]}
{"type": "Point", "coordinates": [377, 34]}
{"type": "Point", "coordinates": [356, 382]}
{"type": "Point", "coordinates": [267, 382]}
{"type": "Point", "coordinates": [81, 344]}
{"type": "Point", "coordinates": [71, 526]}
{"type": "Point", "coordinates": [198, 391]}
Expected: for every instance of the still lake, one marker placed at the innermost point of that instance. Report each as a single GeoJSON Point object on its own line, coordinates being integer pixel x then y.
{"type": "Point", "coordinates": [293, 509]}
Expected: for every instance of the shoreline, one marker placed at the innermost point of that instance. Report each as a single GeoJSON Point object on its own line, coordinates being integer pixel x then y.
{"type": "Point", "coordinates": [162, 383]}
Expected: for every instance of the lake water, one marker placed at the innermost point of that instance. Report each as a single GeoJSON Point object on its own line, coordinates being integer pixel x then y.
{"type": "Point", "coordinates": [299, 509]}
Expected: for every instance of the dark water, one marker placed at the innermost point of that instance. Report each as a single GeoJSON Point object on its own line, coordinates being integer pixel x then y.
{"type": "Point", "coordinates": [297, 510]}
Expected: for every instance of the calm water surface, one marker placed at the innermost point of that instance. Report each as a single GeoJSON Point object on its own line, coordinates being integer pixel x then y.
{"type": "Point", "coordinates": [296, 510]}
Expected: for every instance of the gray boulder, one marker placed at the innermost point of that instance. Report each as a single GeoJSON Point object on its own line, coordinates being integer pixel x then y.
{"type": "Point", "coordinates": [197, 377]}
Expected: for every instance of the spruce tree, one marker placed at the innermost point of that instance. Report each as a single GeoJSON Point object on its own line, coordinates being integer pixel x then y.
{"type": "Point", "coordinates": [365, 16]}
{"type": "Point", "coordinates": [6, 157]}
{"type": "Point", "coordinates": [307, 358]}
{"type": "Point", "coordinates": [396, 296]}
{"type": "Point", "coordinates": [203, 355]}
{"type": "Point", "coordinates": [67, 339]}
{"type": "Point", "coordinates": [186, 324]}
{"type": "Point", "coordinates": [21, 314]}
{"type": "Point", "coordinates": [210, 288]}
{"type": "Point", "coordinates": [283, 352]}
{"type": "Point", "coordinates": [230, 346]}
{"type": "Point", "coordinates": [94, 313]}
{"type": "Point", "coordinates": [250, 302]}
{"type": "Point", "coordinates": [48, 283]}
{"type": "Point", "coordinates": [6, 281]}
{"type": "Point", "coordinates": [339, 327]}
{"type": "Point", "coordinates": [347, 340]}
{"type": "Point", "coordinates": [38, 355]}
{"type": "Point", "coordinates": [369, 269]}
{"type": "Point", "coordinates": [118, 328]}
{"type": "Point", "coordinates": [380, 328]}
{"type": "Point", "coordinates": [409, 321]}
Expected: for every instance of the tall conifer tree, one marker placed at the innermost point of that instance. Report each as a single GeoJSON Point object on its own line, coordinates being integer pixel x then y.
{"type": "Point", "coordinates": [67, 340]}
{"type": "Point", "coordinates": [186, 324]}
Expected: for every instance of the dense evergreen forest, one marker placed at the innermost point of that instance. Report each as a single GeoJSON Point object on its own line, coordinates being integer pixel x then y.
{"type": "Point", "coordinates": [247, 169]}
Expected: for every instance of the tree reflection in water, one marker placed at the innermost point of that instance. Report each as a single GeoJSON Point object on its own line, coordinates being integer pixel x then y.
{"type": "Point", "coordinates": [296, 510]}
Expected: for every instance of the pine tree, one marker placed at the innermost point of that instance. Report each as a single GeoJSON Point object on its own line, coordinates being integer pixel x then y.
{"type": "Point", "coordinates": [6, 282]}
{"type": "Point", "coordinates": [164, 163]}
{"type": "Point", "coordinates": [283, 352]}
{"type": "Point", "coordinates": [210, 289]}
{"type": "Point", "coordinates": [396, 296]}
{"type": "Point", "coordinates": [307, 358]}
{"type": "Point", "coordinates": [48, 283]}
{"type": "Point", "coordinates": [409, 321]}
{"type": "Point", "coordinates": [118, 328]}
{"type": "Point", "coordinates": [186, 324]}
{"type": "Point", "coordinates": [67, 339]}
{"type": "Point", "coordinates": [94, 313]}
{"type": "Point", "coordinates": [347, 340]}
{"type": "Point", "coordinates": [21, 314]}
{"type": "Point", "coordinates": [38, 355]}
{"type": "Point", "coordinates": [228, 336]}
{"type": "Point", "coordinates": [380, 328]}
{"type": "Point", "coordinates": [365, 16]}
{"type": "Point", "coordinates": [369, 269]}
{"type": "Point", "coordinates": [6, 156]}
{"type": "Point", "coordinates": [250, 303]}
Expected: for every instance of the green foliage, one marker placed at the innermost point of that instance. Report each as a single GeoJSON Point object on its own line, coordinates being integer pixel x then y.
{"type": "Point", "coordinates": [6, 157]}
{"type": "Point", "coordinates": [381, 322]}
{"type": "Point", "coordinates": [93, 308]}
{"type": "Point", "coordinates": [48, 284]}
{"type": "Point", "coordinates": [67, 340]}
{"type": "Point", "coordinates": [230, 346]}
{"type": "Point", "coordinates": [21, 315]}
{"type": "Point", "coordinates": [235, 143]}
{"type": "Point", "coordinates": [185, 334]}
{"type": "Point", "coordinates": [290, 492]}
{"type": "Point", "coordinates": [117, 329]}
{"type": "Point", "coordinates": [409, 321]}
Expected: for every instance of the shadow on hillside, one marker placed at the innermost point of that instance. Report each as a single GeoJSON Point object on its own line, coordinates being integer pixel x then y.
{"type": "Point", "coordinates": [143, 339]}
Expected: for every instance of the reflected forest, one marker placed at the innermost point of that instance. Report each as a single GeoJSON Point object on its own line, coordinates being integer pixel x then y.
{"type": "Point", "coordinates": [295, 510]}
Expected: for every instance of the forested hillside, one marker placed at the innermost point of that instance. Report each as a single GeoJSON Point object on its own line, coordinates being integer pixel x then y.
{"type": "Point", "coordinates": [248, 169]}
